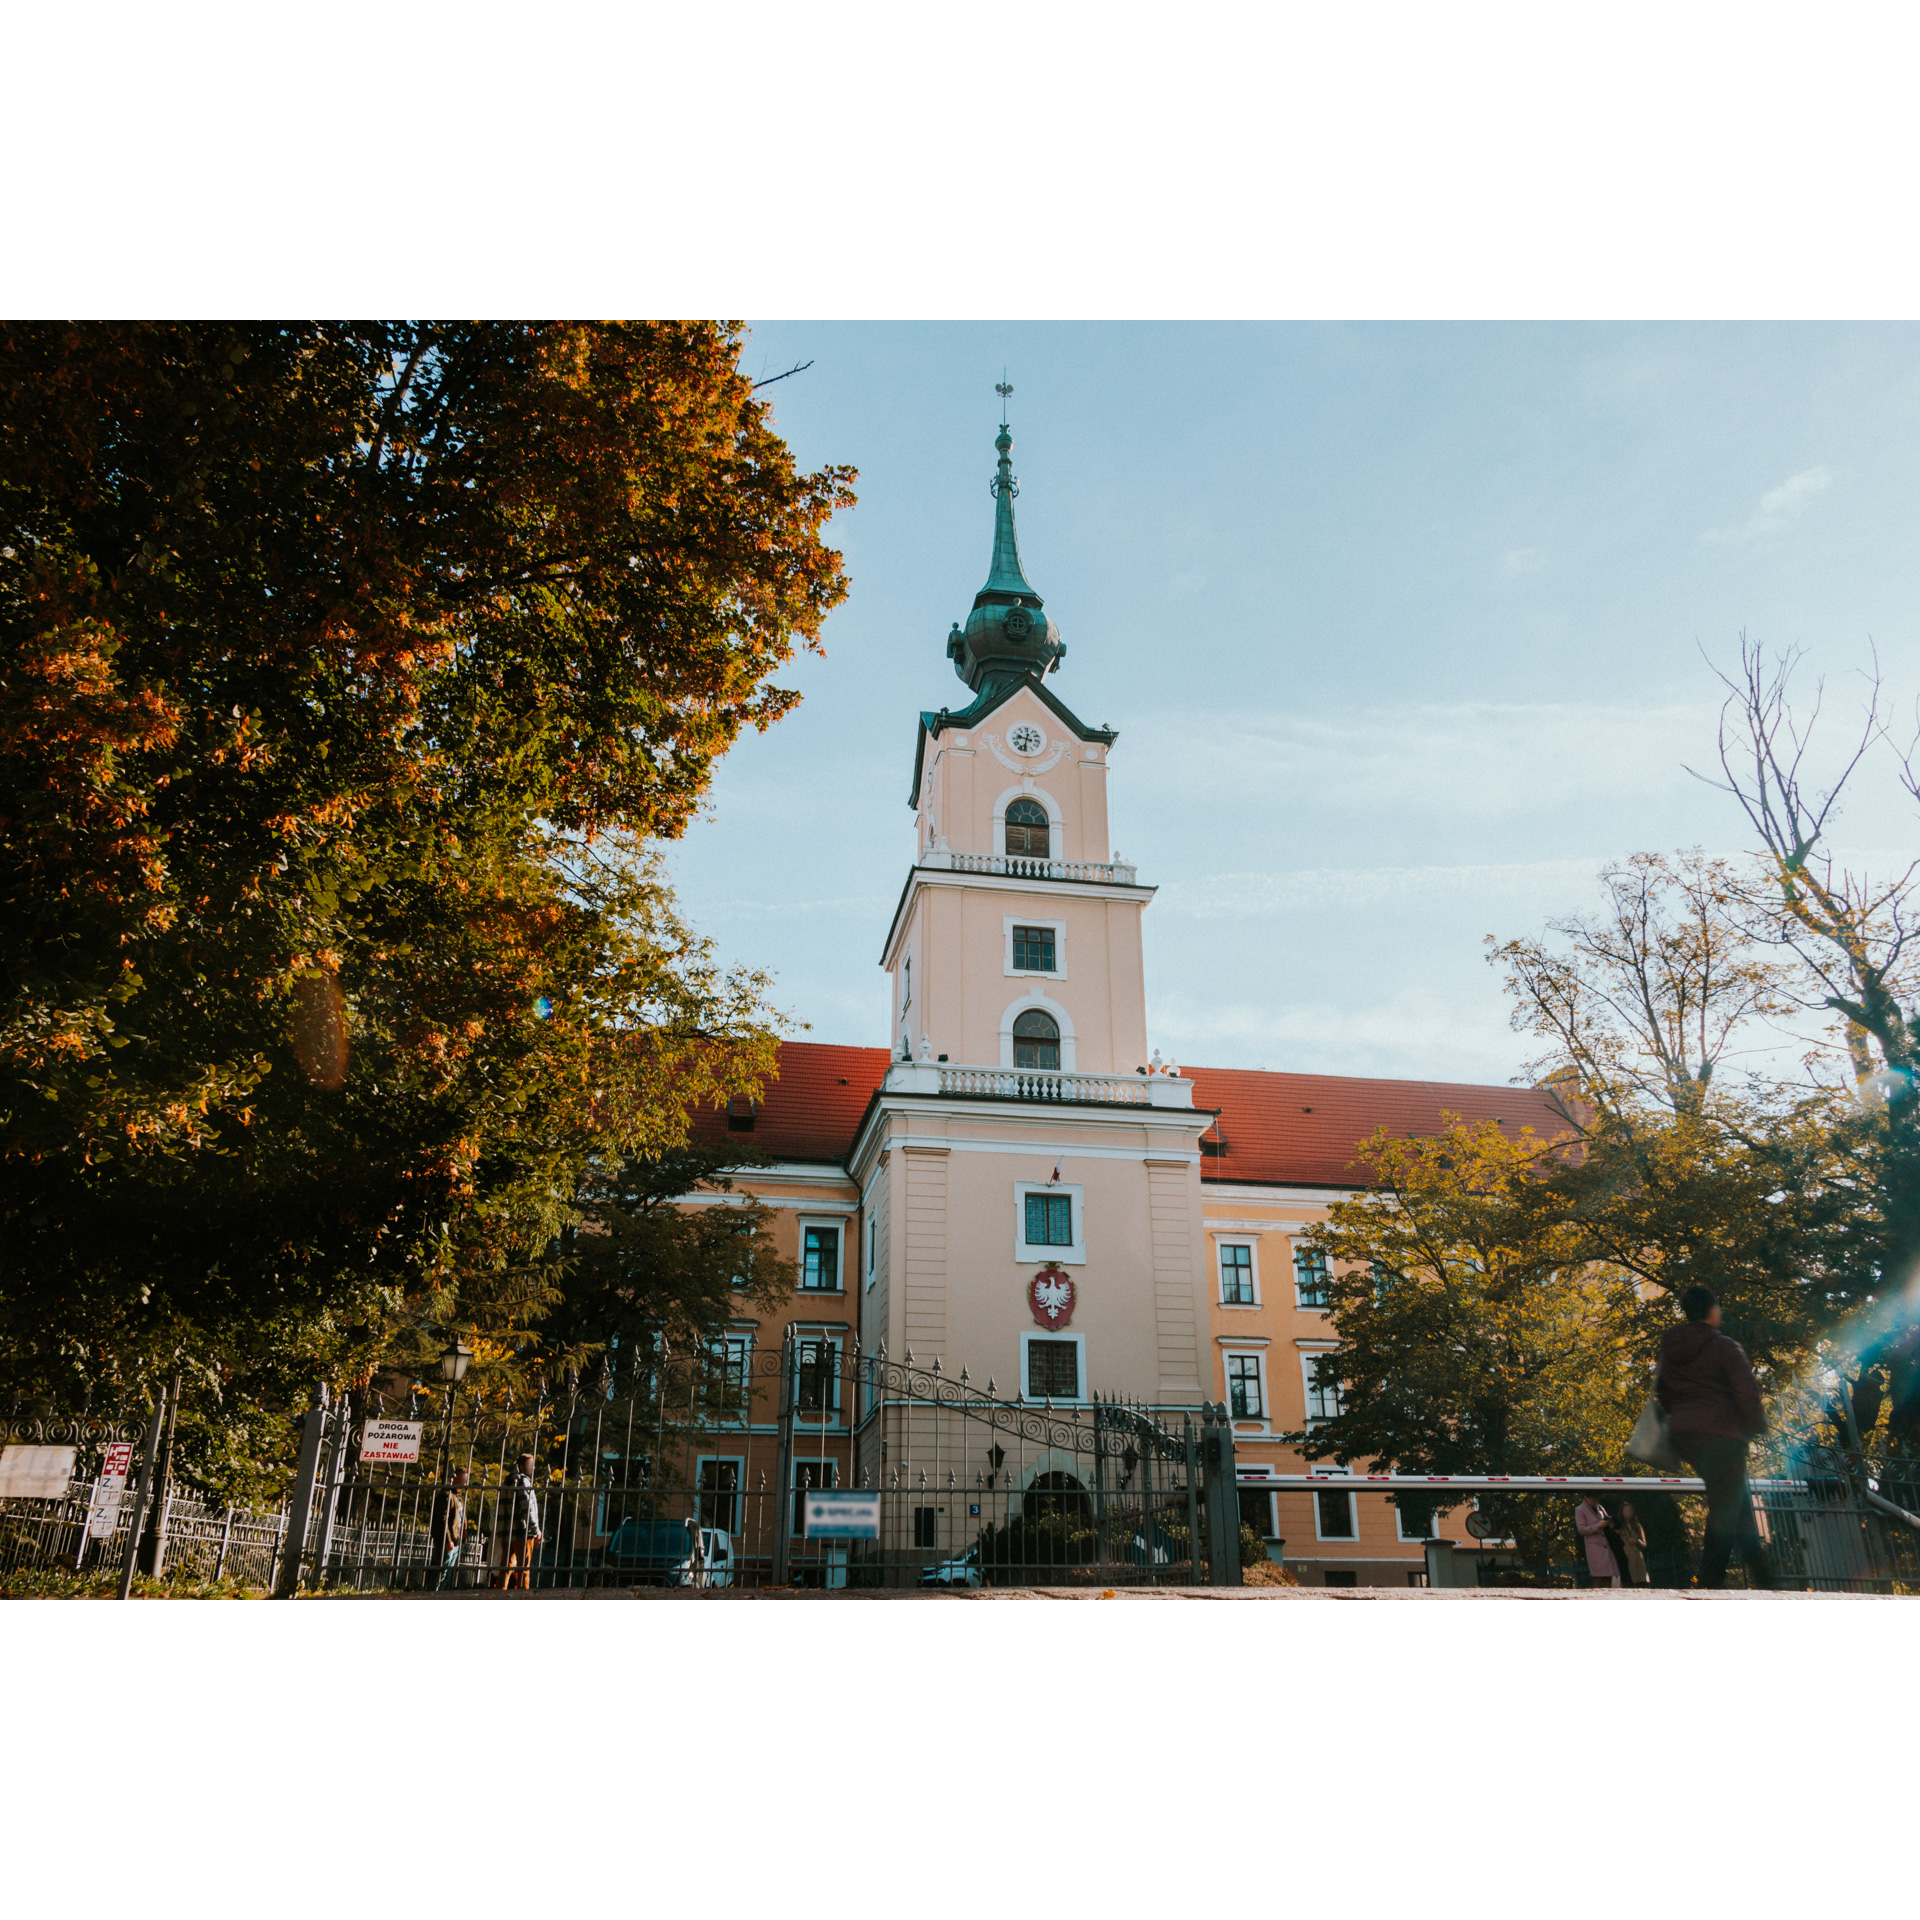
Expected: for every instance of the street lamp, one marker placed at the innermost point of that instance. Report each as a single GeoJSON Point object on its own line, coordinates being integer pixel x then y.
{"type": "Point", "coordinates": [454, 1363]}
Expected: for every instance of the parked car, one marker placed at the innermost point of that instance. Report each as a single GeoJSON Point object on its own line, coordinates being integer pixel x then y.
{"type": "Point", "coordinates": [663, 1553]}
{"type": "Point", "coordinates": [964, 1572]}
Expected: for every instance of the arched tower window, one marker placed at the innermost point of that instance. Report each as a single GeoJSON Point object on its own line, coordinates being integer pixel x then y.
{"type": "Point", "coordinates": [1028, 833]}
{"type": "Point", "coordinates": [1036, 1040]}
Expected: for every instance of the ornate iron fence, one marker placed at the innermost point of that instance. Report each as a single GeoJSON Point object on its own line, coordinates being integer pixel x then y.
{"type": "Point", "coordinates": [696, 1474]}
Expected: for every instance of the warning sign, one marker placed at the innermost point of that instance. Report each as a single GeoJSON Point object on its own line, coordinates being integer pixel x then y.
{"type": "Point", "coordinates": [103, 1510]}
{"type": "Point", "coordinates": [395, 1441]}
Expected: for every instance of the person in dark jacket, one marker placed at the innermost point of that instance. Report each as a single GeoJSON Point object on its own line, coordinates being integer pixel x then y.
{"type": "Point", "coordinates": [1712, 1404]}
{"type": "Point", "coordinates": [520, 1505]}
{"type": "Point", "coordinates": [449, 1525]}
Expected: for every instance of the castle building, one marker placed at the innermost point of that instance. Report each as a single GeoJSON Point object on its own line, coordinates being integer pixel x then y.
{"type": "Point", "coordinates": [1013, 1184]}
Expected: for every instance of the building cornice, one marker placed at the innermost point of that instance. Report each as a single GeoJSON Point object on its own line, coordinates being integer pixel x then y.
{"type": "Point", "coordinates": [1004, 883]}
{"type": "Point", "coordinates": [1058, 1117]}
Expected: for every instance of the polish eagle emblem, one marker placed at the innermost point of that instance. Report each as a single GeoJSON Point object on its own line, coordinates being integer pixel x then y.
{"type": "Point", "coordinates": [1051, 1297]}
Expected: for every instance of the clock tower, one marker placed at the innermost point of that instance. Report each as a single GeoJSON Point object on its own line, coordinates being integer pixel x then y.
{"type": "Point", "coordinates": [1029, 1175]}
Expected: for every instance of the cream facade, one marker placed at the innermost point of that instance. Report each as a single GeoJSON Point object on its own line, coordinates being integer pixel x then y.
{"type": "Point", "coordinates": [1015, 1127]}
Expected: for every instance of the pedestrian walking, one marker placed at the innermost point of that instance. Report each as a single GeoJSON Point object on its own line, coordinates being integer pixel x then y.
{"type": "Point", "coordinates": [522, 1525]}
{"type": "Point", "coordinates": [1591, 1518]}
{"type": "Point", "coordinates": [1632, 1534]}
{"type": "Point", "coordinates": [448, 1521]}
{"type": "Point", "coordinates": [1712, 1403]}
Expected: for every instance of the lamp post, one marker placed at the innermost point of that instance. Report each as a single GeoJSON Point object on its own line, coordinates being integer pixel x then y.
{"type": "Point", "coordinates": [454, 1363]}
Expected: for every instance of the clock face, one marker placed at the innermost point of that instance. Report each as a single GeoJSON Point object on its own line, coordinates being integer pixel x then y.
{"type": "Point", "coordinates": [1026, 738]}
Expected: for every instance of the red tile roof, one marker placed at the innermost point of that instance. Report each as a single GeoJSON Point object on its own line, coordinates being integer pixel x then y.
{"type": "Point", "coordinates": [810, 1112]}
{"type": "Point", "coordinates": [1279, 1129]}
{"type": "Point", "coordinates": [1304, 1129]}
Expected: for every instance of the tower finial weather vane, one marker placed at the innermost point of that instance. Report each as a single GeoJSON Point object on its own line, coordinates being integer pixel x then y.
{"type": "Point", "coordinates": [1005, 392]}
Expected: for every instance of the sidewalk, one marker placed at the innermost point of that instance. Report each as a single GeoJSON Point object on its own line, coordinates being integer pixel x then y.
{"type": "Point", "coordinates": [1284, 1596]}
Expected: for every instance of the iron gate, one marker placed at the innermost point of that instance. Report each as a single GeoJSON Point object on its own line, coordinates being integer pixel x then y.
{"type": "Point", "coordinates": [696, 1473]}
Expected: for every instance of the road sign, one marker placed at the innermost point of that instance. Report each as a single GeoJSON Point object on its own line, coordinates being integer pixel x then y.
{"type": "Point", "coordinates": [843, 1516]}
{"type": "Point", "coordinates": [103, 1510]}
{"type": "Point", "coordinates": [36, 1473]}
{"type": "Point", "coordinates": [395, 1441]}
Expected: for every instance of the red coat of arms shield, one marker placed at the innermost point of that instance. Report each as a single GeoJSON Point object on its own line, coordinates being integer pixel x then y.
{"type": "Point", "coordinates": [1051, 1297]}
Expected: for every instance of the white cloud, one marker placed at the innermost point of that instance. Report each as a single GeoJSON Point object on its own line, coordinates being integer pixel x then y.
{"type": "Point", "coordinates": [1414, 1033]}
{"type": "Point", "coordinates": [1341, 890]}
{"type": "Point", "coordinates": [1779, 509]}
{"type": "Point", "coordinates": [1469, 763]}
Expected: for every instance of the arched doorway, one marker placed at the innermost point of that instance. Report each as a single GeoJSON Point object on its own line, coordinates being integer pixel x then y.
{"type": "Point", "coordinates": [1056, 1496]}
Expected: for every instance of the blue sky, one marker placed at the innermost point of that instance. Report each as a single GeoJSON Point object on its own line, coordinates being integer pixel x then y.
{"type": "Point", "coordinates": [1401, 626]}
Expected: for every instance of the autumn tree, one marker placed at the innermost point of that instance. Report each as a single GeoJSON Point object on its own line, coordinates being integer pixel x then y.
{"type": "Point", "coordinates": [351, 674]}
{"type": "Point", "coordinates": [1846, 940]}
{"type": "Point", "coordinates": [1473, 1336]}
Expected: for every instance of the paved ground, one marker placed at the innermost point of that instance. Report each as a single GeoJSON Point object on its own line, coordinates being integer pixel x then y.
{"type": "Point", "coordinates": [1284, 1596]}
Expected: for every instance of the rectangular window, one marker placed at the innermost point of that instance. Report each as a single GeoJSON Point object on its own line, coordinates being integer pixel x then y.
{"type": "Point", "coordinates": [1256, 1511]}
{"type": "Point", "coordinates": [729, 1376]}
{"type": "Point", "coordinates": [819, 1375]}
{"type": "Point", "coordinates": [1236, 1276]}
{"type": "Point", "coordinates": [820, 1260]}
{"type": "Point", "coordinates": [1310, 1277]}
{"type": "Point", "coordinates": [1243, 1386]}
{"type": "Point", "coordinates": [720, 1494]}
{"type": "Point", "coordinates": [1053, 1368]}
{"type": "Point", "coordinates": [1324, 1398]}
{"type": "Point", "coordinates": [1417, 1518]}
{"type": "Point", "coordinates": [1336, 1578]}
{"type": "Point", "coordinates": [807, 1475]}
{"type": "Point", "coordinates": [1033, 949]}
{"type": "Point", "coordinates": [906, 984]}
{"type": "Point", "coordinates": [873, 1240]}
{"type": "Point", "coordinates": [1334, 1513]}
{"type": "Point", "coordinates": [1049, 1220]}
{"type": "Point", "coordinates": [926, 1527]}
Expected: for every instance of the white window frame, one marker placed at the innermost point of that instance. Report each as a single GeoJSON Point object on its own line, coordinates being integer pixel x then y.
{"type": "Point", "coordinates": [744, 1338]}
{"type": "Point", "coordinates": [1264, 1417]}
{"type": "Point", "coordinates": [1350, 1539]}
{"type": "Point", "coordinates": [833, 1416]}
{"type": "Point", "coordinates": [1071, 1256]}
{"type": "Point", "coordinates": [1220, 1243]}
{"type": "Point", "coordinates": [1080, 1341]}
{"type": "Point", "coordinates": [838, 1222]}
{"type": "Point", "coordinates": [1056, 822]}
{"type": "Point", "coordinates": [1307, 1357]}
{"type": "Point", "coordinates": [739, 1489]}
{"type": "Point", "coordinates": [1058, 971]}
{"type": "Point", "coordinates": [1294, 1251]}
{"type": "Point", "coordinates": [873, 1241]}
{"type": "Point", "coordinates": [1416, 1539]}
{"type": "Point", "coordinates": [1271, 1531]}
{"type": "Point", "coordinates": [1027, 1004]}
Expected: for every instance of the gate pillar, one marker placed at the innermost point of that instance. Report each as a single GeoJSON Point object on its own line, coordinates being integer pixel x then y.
{"type": "Point", "coordinates": [1223, 1496]}
{"type": "Point", "coordinates": [783, 1461]}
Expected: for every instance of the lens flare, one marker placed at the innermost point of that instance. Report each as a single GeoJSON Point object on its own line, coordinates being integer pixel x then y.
{"type": "Point", "coordinates": [320, 1030]}
{"type": "Point", "coordinates": [543, 1008]}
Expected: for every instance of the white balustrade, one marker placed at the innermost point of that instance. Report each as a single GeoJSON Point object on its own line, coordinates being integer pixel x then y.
{"type": "Point", "coordinates": [1036, 1084]}
{"type": "Point", "coordinates": [1111, 873]}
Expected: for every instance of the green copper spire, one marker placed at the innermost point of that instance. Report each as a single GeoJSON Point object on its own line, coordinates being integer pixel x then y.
{"type": "Point", "coordinates": [1005, 575]}
{"type": "Point", "coordinates": [1008, 636]}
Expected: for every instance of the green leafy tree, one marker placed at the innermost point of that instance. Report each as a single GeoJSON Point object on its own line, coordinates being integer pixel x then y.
{"type": "Point", "coordinates": [351, 672]}
{"type": "Point", "coordinates": [1473, 1337]}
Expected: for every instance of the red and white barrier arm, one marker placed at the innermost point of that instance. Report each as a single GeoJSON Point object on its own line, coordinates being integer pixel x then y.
{"type": "Point", "coordinates": [1495, 1482]}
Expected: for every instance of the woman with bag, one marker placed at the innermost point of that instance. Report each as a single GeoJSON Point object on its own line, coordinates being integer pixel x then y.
{"type": "Point", "coordinates": [1591, 1519]}
{"type": "Point", "coordinates": [1627, 1529]}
